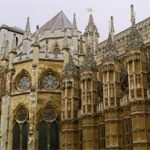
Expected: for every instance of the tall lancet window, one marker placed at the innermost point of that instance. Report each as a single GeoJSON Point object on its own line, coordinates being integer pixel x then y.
{"type": "Point", "coordinates": [20, 130]}
{"type": "Point", "coordinates": [48, 130]}
{"type": "Point", "coordinates": [128, 134]}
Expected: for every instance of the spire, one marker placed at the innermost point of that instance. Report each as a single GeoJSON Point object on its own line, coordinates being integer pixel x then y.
{"type": "Point", "coordinates": [14, 46]}
{"type": "Point", "coordinates": [74, 27]}
{"type": "Point", "coordinates": [110, 49]}
{"type": "Point", "coordinates": [132, 15]}
{"type": "Point", "coordinates": [70, 69]}
{"type": "Point", "coordinates": [134, 39]}
{"type": "Point", "coordinates": [89, 60]}
{"type": "Point", "coordinates": [112, 30]}
{"type": "Point", "coordinates": [91, 22]}
{"type": "Point", "coordinates": [91, 26]}
{"type": "Point", "coordinates": [27, 33]}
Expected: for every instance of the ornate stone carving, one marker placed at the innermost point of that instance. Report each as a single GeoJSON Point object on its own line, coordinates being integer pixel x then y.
{"type": "Point", "coordinates": [49, 114]}
{"type": "Point", "coordinates": [70, 69]}
{"type": "Point", "coordinates": [21, 115]}
{"type": "Point", "coordinates": [110, 49]}
{"type": "Point", "coordinates": [89, 61]}
{"type": "Point", "coordinates": [134, 39]}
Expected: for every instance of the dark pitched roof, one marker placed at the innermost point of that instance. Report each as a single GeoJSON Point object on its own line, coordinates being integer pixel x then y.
{"type": "Point", "coordinates": [60, 21]}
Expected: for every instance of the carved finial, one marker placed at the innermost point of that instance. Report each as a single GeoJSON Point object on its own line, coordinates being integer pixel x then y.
{"type": "Point", "coordinates": [36, 38]}
{"type": "Point", "coordinates": [65, 41]}
{"type": "Point", "coordinates": [14, 46]}
{"type": "Point", "coordinates": [5, 51]}
{"type": "Point", "coordinates": [74, 26]}
{"type": "Point", "coordinates": [90, 10]}
{"type": "Point", "coordinates": [132, 15]}
{"type": "Point", "coordinates": [112, 30]}
{"type": "Point", "coordinates": [74, 21]}
{"type": "Point", "coordinates": [81, 46]}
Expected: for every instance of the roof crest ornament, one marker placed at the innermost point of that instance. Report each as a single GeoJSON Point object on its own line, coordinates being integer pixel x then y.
{"type": "Point", "coordinates": [90, 10]}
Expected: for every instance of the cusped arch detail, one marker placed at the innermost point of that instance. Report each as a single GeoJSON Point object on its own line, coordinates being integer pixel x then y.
{"type": "Point", "coordinates": [54, 74]}
{"type": "Point", "coordinates": [23, 73]}
{"type": "Point", "coordinates": [47, 104]}
{"type": "Point", "coordinates": [56, 47]}
{"type": "Point", "coordinates": [23, 108]}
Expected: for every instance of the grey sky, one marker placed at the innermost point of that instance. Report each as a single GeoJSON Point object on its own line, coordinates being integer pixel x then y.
{"type": "Point", "coordinates": [15, 12]}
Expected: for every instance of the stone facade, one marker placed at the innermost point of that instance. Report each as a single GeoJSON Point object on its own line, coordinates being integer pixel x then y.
{"type": "Point", "coordinates": [61, 89]}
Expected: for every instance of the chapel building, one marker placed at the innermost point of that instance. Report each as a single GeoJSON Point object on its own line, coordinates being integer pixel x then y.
{"type": "Point", "coordinates": [62, 89]}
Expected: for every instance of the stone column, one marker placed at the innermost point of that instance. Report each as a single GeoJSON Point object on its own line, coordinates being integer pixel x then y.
{"type": "Point", "coordinates": [88, 110]}
{"type": "Point", "coordinates": [139, 101]}
{"type": "Point", "coordinates": [111, 99]}
{"type": "Point", "coordinates": [33, 99]}
{"type": "Point", "coordinates": [69, 113]}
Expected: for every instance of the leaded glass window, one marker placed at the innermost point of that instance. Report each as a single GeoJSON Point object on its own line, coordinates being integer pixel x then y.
{"type": "Point", "coordinates": [49, 81]}
{"type": "Point", "coordinates": [102, 136]}
{"type": "Point", "coordinates": [24, 83]}
{"type": "Point", "coordinates": [20, 130]}
{"type": "Point", "coordinates": [48, 130]}
{"type": "Point", "coordinates": [128, 134]}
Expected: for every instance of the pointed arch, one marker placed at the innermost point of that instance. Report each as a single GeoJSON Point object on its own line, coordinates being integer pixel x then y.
{"type": "Point", "coordinates": [22, 72]}
{"type": "Point", "coordinates": [48, 127]}
{"type": "Point", "coordinates": [56, 45]}
{"type": "Point", "coordinates": [20, 127]}
{"type": "Point", "coordinates": [19, 106]}
{"type": "Point", "coordinates": [22, 80]}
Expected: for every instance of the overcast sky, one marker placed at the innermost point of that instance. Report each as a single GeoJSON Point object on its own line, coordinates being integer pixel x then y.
{"type": "Point", "coordinates": [15, 12]}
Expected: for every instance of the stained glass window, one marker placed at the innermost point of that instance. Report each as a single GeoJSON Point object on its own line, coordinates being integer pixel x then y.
{"type": "Point", "coordinates": [54, 136]}
{"type": "Point", "coordinates": [48, 130]}
{"type": "Point", "coordinates": [16, 137]}
{"type": "Point", "coordinates": [20, 130]}
{"type": "Point", "coordinates": [43, 136]}
{"type": "Point", "coordinates": [128, 134]}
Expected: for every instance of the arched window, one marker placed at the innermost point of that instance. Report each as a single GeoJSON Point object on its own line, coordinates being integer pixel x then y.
{"type": "Point", "coordinates": [128, 140]}
{"type": "Point", "coordinates": [16, 41]}
{"type": "Point", "coordinates": [124, 82]}
{"type": "Point", "coordinates": [48, 130]}
{"type": "Point", "coordinates": [20, 130]}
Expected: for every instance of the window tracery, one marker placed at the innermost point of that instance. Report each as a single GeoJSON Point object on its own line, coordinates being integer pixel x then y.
{"type": "Point", "coordinates": [49, 81]}
{"type": "Point", "coordinates": [20, 129]}
{"type": "Point", "coordinates": [128, 133]}
{"type": "Point", "coordinates": [48, 130]}
{"type": "Point", "coordinates": [23, 81]}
